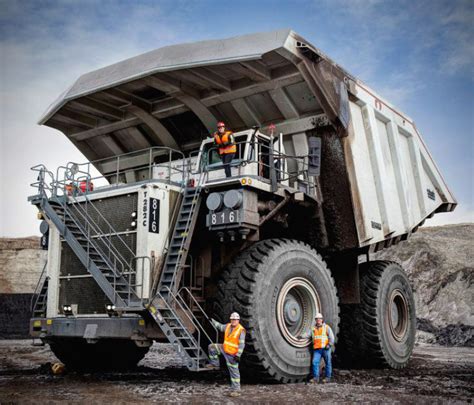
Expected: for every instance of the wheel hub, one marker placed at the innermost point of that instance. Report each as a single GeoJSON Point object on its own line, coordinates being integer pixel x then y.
{"type": "Point", "coordinates": [297, 305]}
{"type": "Point", "coordinates": [398, 315]}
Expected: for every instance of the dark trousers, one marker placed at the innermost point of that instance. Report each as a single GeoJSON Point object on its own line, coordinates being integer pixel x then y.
{"type": "Point", "coordinates": [226, 159]}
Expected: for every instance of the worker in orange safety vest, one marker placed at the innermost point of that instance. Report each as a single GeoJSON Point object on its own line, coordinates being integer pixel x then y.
{"type": "Point", "coordinates": [226, 146]}
{"type": "Point", "coordinates": [231, 349]}
{"type": "Point", "coordinates": [322, 339]}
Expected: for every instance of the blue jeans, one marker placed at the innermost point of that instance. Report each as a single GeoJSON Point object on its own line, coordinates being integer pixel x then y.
{"type": "Point", "coordinates": [326, 355]}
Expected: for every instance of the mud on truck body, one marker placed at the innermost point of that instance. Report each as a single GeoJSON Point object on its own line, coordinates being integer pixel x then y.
{"type": "Point", "coordinates": [149, 239]}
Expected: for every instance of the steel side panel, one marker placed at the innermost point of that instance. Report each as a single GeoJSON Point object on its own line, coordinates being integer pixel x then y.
{"type": "Point", "coordinates": [392, 173]}
{"type": "Point", "coordinates": [53, 270]}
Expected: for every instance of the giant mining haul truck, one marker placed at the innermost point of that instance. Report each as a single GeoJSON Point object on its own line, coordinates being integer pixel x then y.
{"type": "Point", "coordinates": [148, 239]}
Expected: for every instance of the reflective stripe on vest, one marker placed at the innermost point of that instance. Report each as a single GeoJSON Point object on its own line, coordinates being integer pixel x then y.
{"type": "Point", "coordinates": [321, 337]}
{"type": "Point", "coordinates": [225, 138]}
{"type": "Point", "coordinates": [231, 339]}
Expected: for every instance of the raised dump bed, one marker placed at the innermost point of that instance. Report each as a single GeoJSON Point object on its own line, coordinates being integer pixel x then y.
{"type": "Point", "coordinates": [378, 181]}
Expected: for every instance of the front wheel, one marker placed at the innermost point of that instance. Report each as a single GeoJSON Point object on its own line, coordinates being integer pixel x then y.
{"type": "Point", "coordinates": [278, 286]}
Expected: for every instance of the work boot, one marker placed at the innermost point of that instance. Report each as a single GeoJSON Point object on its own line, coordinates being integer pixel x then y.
{"type": "Point", "coordinates": [234, 394]}
{"type": "Point", "coordinates": [326, 380]}
{"type": "Point", "coordinates": [313, 380]}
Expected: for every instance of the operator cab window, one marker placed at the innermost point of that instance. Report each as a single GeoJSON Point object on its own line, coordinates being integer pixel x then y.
{"type": "Point", "coordinates": [211, 159]}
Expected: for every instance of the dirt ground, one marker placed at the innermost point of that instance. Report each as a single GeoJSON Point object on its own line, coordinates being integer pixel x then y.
{"type": "Point", "coordinates": [435, 374]}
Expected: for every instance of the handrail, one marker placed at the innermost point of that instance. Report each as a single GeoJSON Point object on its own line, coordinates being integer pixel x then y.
{"type": "Point", "coordinates": [97, 230]}
{"type": "Point", "coordinates": [151, 153]}
{"type": "Point", "coordinates": [284, 175]}
{"type": "Point", "coordinates": [196, 325]}
{"type": "Point", "coordinates": [103, 255]}
{"type": "Point", "coordinates": [114, 259]}
{"type": "Point", "coordinates": [89, 203]}
{"type": "Point", "coordinates": [197, 191]}
{"type": "Point", "coordinates": [38, 288]}
{"type": "Point", "coordinates": [202, 311]}
{"type": "Point", "coordinates": [168, 237]}
{"type": "Point", "coordinates": [177, 295]}
{"type": "Point", "coordinates": [40, 184]}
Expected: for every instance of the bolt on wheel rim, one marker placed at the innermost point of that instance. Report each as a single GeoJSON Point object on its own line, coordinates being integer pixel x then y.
{"type": "Point", "coordinates": [398, 315]}
{"type": "Point", "coordinates": [297, 305]}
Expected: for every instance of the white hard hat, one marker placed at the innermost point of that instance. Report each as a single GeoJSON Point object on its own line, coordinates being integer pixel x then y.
{"type": "Point", "coordinates": [234, 315]}
{"type": "Point", "coordinates": [319, 315]}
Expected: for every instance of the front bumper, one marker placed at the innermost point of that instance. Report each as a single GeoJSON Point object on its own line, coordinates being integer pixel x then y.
{"type": "Point", "coordinates": [95, 328]}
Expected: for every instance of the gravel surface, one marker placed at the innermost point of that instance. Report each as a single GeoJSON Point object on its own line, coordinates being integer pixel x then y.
{"type": "Point", "coordinates": [435, 374]}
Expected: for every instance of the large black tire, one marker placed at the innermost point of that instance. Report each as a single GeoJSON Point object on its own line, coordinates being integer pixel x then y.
{"type": "Point", "coordinates": [379, 332]}
{"type": "Point", "coordinates": [277, 286]}
{"type": "Point", "coordinates": [106, 354]}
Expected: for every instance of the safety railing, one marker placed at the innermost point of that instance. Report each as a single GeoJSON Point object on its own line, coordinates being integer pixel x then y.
{"type": "Point", "coordinates": [170, 305]}
{"type": "Point", "coordinates": [39, 286]}
{"type": "Point", "coordinates": [270, 164]}
{"type": "Point", "coordinates": [44, 182]}
{"type": "Point", "coordinates": [112, 171]}
{"type": "Point", "coordinates": [98, 238]}
{"type": "Point", "coordinates": [179, 301]}
{"type": "Point", "coordinates": [193, 301]}
{"type": "Point", "coordinates": [83, 203]}
{"type": "Point", "coordinates": [197, 191]}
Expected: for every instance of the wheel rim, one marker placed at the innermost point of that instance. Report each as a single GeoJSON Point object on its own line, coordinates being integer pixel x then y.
{"type": "Point", "coordinates": [297, 305]}
{"type": "Point", "coordinates": [398, 315]}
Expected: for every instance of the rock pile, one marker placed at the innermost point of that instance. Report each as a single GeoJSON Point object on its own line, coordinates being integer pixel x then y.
{"type": "Point", "coordinates": [440, 264]}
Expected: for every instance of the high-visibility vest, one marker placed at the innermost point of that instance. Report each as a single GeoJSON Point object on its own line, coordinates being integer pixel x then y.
{"type": "Point", "coordinates": [321, 336]}
{"type": "Point", "coordinates": [225, 138]}
{"type": "Point", "coordinates": [231, 339]}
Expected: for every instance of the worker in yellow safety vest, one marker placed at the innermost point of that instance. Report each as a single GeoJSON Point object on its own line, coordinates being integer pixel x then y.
{"type": "Point", "coordinates": [322, 342]}
{"type": "Point", "coordinates": [224, 140]}
{"type": "Point", "coordinates": [231, 349]}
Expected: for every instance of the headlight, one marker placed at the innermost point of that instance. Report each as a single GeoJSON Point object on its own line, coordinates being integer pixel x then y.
{"type": "Point", "coordinates": [233, 199]}
{"type": "Point", "coordinates": [67, 309]}
{"type": "Point", "coordinates": [214, 201]}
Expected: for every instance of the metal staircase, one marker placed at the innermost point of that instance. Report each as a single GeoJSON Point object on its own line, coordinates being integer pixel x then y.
{"type": "Point", "coordinates": [114, 275]}
{"type": "Point", "coordinates": [97, 253]}
{"type": "Point", "coordinates": [39, 305]}
{"type": "Point", "coordinates": [181, 239]}
{"type": "Point", "coordinates": [170, 311]}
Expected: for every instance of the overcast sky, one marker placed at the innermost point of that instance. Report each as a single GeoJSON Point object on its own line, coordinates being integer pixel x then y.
{"type": "Point", "coordinates": [417, 54]}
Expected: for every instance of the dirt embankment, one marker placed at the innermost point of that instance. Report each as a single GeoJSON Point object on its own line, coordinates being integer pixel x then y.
{"type": "Point", "coordinates": [21, 262]}
{"type": "Point", "coordinates": [440, 264]}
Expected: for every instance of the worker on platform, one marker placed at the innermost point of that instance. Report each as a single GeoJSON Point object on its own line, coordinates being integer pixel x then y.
{"type": "Point", "coordinates": [231, 349]}
{"type": "Point", "coordinates": [225, 142]}
{"type": "Point", "coordinates": [322, 341]}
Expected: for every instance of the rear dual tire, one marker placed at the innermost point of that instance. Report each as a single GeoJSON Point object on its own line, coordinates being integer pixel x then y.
{"type": "Point", "coordinates": [380, 331]}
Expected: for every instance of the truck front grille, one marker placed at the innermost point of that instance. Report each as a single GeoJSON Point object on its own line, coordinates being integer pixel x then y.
{"type": "Point", "coordinates": [83, 291]}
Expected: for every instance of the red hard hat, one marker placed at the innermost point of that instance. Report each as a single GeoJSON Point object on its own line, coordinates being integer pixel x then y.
{"type": "Point", "coordinates": [220, 124]}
